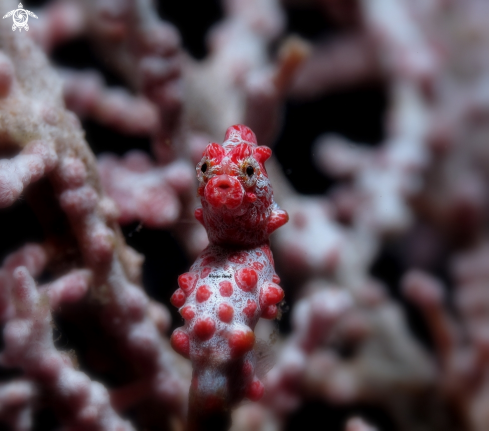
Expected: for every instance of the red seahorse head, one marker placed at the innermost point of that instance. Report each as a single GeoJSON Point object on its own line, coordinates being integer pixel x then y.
{"type": "Point", "coordinates": [236, 194]}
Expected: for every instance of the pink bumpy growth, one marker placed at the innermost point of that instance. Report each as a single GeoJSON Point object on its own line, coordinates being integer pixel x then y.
{"type": "Point", "coordinates": [233, 282]}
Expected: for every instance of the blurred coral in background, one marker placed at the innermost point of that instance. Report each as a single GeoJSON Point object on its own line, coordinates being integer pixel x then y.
{"type": "Point", "coordinates": [378, 115]}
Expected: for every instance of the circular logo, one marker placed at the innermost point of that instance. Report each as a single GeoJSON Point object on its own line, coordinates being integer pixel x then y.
{"type": "Point", "coordinates": [20, 17]}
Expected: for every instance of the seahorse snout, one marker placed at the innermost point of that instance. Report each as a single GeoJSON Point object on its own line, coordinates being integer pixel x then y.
{"type": "Point", "coordinates": [224, 190]}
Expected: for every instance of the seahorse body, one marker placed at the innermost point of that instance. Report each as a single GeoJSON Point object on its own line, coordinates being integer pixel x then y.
{"type": "Point", "coordinates": [233, 282]}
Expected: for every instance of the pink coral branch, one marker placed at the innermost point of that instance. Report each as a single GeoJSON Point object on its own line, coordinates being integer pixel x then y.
{"type": "Point", "coordinates": [29, 344]}
{"type": "Point", "coordinates": [144, 192]}
{"type": "Point", "coordinates": [32, 256]}
{"type": "Point", "coordinates": [35, 160]}
{"type": "Point", "coordinates": [67, 289]}
{"type": "Point", "coordinates": [85, 94]}
{"type": "Point", "coordinates": [428, 294]}
{"type": "Point", "coordinates": [16, 404]}
{"type": "Point", "coordinates": [313, 319]}
{"type": "Point", "coordinates": [92, 234]}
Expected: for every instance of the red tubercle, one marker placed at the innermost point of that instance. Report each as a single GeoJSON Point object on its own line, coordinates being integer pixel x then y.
{"type": "Point", "coordinates": [225, 313]}
{"type": "Point", "coordinates": [199, 212]}
{"type": "Point", "coordinates": [241, 341]}
{"type": "Point", "coordinates": [270, 312]}
{"type": "Point", "coordinates": [215, 151]}
{"type": "Point", "coordinates": [268, 253]}
{"type": "Point", "coordinates": [180, 342]}
{"type": "Point", "coordinates": [207, 261]}
{"type": "Point", "coordinates": [270, 294]}
{"type": "Point", "coordinates": [262, 154]}
{"type": "Point", "coordinates": [240, 132]}
{"type": "Point", "coordinates": [188, 312]}
{"type": "Point", "coordinates": [239, 257]}
{"type": "Point", "coordinates": [246, 279]}
{"type": "Point", "coordinates": [178, 298]}
{"type": "Point", "coordinates": [225, 288]}
{"type": "Point", "coordinates": [240, 152]}
{"type": "Point", "coordinates": [258, 266]}
{"type": "Point", "coordinates": [276, 220]}
{"type": "Point", "coordinates": [205, 272]}
{"type": "Point", "coordinates": [203, 293]}
{"type": "Point", "coordinates": [204, 328]}
{"type": "Point", "coordinates": [250, 197]}
{"type": "Point", "coordinates": [250, 309]}
{"type": "Point", "coordinates": [255, 390]}
{"type": "Point", "coordinates": [276, 279]}
{"type": "Point", "coordinates": [187, 282]}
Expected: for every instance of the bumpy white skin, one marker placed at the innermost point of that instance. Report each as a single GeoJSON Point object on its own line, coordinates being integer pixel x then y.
{"type": "Point", "coordinates": [211, 274]}
{"type": "Point", "coordinates": [221, 354]}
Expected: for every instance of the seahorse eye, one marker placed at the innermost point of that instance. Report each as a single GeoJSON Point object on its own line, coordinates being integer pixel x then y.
{"type": "Point", "coordinates": [203, 168]}
{"type": "Point", "coordinates": [250, 171]}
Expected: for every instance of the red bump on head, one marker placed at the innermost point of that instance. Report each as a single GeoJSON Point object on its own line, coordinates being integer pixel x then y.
{"type": "Point", "coordinates": [187, 282]}
{"type": "Point", "coordinates": [215, 151]}
{"type": "Point", "coordinates": [270, 294]}
{"type": "Point", "coordinates": [276, 279]}
{"type": "Point", "coordinates": [225, 288]}
{"type": "Point", "coordinates": [241, 341]}
{"type": "Point", "coordinates": [203, 293]}
{"type": "Point", "coordinates": [262, 154]}
{"type": "Point", "coordinates": [180, 342]}
{"type": "Point", "coordinates": [240, 152]}
{"type": "Point", "coordinates": [204, 328]}
{"type": "Point", "coordinates": [225, 313]}
{"type": "Point", "coordinates": [270, 312]}
{"type": "Point", "coordinates": [188, 313]}
{"type": "Point", "coordinates": [178, 298]}
{"type": "Point", "coordinates": [250, 309]}
{"type": "Point", "coordinates": [246, 279]}
{"type": "Point", "coordinates": [240, 132]}
{"type": "Point", "coordinates": [255, 390]}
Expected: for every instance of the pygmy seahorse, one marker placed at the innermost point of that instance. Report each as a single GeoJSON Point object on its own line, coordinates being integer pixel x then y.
{"type": "Point", "coordinates": [233, 282]}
